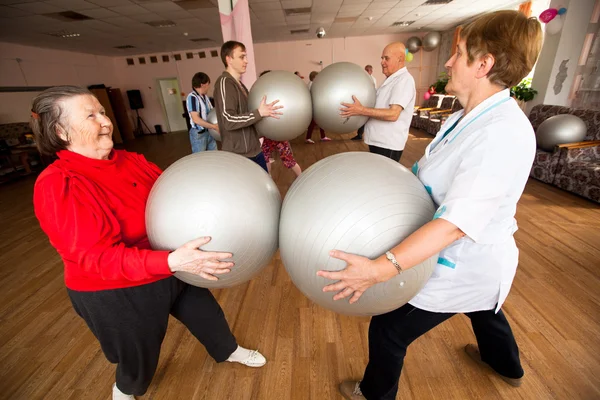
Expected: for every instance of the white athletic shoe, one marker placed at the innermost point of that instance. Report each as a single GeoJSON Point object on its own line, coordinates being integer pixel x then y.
{"type": "Point", "coordinates": [250, 358]}
{"type": "Point", "coordinates": [118, 395]}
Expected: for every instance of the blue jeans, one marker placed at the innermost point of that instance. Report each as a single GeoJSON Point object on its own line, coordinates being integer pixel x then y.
{"type": "Point", "coordinates": [201, 141]}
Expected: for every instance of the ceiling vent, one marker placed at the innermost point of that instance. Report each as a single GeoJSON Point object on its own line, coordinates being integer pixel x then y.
{"type": "Point", "coordinates": [436, 2]}
{"type": "Point", "coordinates": [299, 31]}
{"type": "Point", "coordinates": [202, 39]}
{"type": "Point", "coordinates": [68, 16]}
{"type": "Point", "coordinates": [161, 24]}
{"type": "Point", "coordinates": [402, 23]}
{"type": "Point", "coordinates": [194, 4]}
{"type": "Point", "coordinates": [125, 46]}
{"type": "Point", "coordinates": [289, 12]}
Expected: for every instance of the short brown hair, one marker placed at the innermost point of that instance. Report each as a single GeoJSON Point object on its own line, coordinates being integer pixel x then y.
{"type": "Point", "coordinates": [313, 75]}
{"type": "Point", "coordinates": [513, 39]}
{"type": "Point", "coordinates": [228, 48]}
{"type": "Point", "coordinates": [47, 116]}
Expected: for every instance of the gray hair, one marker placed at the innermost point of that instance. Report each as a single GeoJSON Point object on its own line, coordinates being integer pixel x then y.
{"type": "Point", "coordinates": [47, 115]}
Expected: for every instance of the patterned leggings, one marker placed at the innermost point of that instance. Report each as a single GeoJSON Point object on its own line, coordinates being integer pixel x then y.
{"type": "Point", "coordinates": [283, 148]}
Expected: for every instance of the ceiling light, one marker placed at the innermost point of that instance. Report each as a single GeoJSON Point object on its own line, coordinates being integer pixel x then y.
{"type": "Point", "coordinates": [402, 23]}
{"type": "Point", "coordinates": [64, 34]}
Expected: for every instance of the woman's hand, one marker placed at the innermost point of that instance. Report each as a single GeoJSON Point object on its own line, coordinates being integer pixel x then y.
{"type": "Point", "coordinates": [360, 274]}
{"type": "Point", "coordinates": [269, 110]}
{"type": "Point", "coordinates": [351, 109]}
{"type": "Point", "coordinates": [189, 258]}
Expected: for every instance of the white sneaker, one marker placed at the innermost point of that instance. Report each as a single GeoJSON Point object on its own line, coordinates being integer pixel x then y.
{"type": "Point", "coordinates": [118, 395]}
{"type": "Point", "coordinates": [250, 358]}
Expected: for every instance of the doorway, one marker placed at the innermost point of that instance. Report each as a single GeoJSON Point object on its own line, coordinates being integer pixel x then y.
{"type": "Point", "coordinates": [171, 100]}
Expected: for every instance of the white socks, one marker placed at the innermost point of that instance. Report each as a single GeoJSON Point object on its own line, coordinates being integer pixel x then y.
{"type": "Point", "coordinates": [250, 358]}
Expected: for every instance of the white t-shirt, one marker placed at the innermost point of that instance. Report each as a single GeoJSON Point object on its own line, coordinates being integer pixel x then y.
{"type": "Point", "coordinates": [476, 175]}
{"type": "Point", "coordinates": [398, 88]}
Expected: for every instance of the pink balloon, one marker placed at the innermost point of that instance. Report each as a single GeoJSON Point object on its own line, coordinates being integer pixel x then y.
{"type": "Point", "coordinates": [427, 95]}
{"type": "Point", "coordinates": [548, 15]}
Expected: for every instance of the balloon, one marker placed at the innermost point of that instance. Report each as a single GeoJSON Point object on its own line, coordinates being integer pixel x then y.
{"type": "Point", "coordinates": [554, 26]}
{"type": "Point", "coordinates": [413, 44]}
{"type": "Point", "coordinates": [431, 41]}
{"type": "Point", "coordinates": [548, 15]}
{"type": "Point", "coordinates": [562, 10]}
{"type": "Point", "coordinates": [409, 57]}
{"type": "Point", "coordinates": [427, 95]}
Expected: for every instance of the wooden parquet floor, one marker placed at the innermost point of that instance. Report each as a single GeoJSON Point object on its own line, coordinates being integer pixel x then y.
{"type": "Point", "coordinates": [47, 352]}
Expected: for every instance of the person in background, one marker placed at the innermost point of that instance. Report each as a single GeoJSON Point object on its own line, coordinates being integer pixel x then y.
{"type": "Point", "coordinates": [361, 130]}
{"type": "Point", "coordinates": [236, 122]}
{"type": "Point", "coordinates": [198, 106]}
{"type": "Point", "coordinates": [313, 124]}
{"type": "Point", "coordinates": [386, 131]}
{"type": "Point", "coordinates": [283, 148]}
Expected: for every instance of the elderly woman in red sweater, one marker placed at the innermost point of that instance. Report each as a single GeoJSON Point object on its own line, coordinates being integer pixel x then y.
{"type": "Point", "coordinates": [91, 203]}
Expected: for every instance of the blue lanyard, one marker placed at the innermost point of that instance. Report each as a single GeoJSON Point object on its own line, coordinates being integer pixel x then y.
{"type": "Point", "coordinates": [433, 146]}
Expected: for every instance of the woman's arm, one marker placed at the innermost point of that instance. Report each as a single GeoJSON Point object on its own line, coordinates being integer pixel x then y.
{"type": "Point", "coordinates": [362, 273]}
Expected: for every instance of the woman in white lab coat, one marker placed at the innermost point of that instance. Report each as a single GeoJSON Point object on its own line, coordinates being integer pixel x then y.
{"type": "Point", "coordinates": [475, 170]}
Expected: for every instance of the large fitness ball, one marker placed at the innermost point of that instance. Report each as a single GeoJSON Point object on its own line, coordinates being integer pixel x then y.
{"type": "Point", "coordinates": [559, 129]}
{"type": "Point", "coordinates": [221, 195]}
{"type": "Point", "coordinates": [293, 95]}
{"type": "Point", "coordinates": [360, 203]}
{"type": "Point", "coordinates": [413, 44]}
{"type": "Point", "coordinates": [212, 118]}
{"type": "Point", "coordinates": [337, 83]}
{"type": "Point", "coordinates": [431, 41]}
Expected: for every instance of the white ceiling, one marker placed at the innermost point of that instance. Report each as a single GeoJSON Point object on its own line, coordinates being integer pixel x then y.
{"type": "Point", "coordinates": [123, 22]}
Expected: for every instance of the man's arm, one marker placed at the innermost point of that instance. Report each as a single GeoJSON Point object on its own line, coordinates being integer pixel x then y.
{"type": "Point", "coordinates": [226, 101]}
{"type": "Point", "coordinates": [390, 114]}
{"type": "Point", "coordinates": [385, 114]}
{"type": "Point", "coordinates": [199, 121]}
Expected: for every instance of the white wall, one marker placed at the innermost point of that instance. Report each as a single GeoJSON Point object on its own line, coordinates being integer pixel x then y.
{"type": "Point", "coordinates": [560, 54]}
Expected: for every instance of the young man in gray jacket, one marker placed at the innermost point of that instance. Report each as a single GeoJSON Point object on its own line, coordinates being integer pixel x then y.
{"type": "Point", "coordinates": [236, 122]}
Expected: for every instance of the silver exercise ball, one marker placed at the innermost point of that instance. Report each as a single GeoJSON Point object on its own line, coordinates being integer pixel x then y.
{"type": "Point", "coordinates": [413, 44]}
{"type": "Point", "coordinates": [360, 203]}
{"type": "Point", "coordinates": [337, 83]}
{"type": "Point", "coordinates": [212, 118]}
{"type": "Point", "coordinates": [431, 41]}
{"type": "Point", "coordinates": [559, 129]}
{"type": "Point", "coordinates": [221, 195]}
{"type": "Point", "coordinates": [293, 95]}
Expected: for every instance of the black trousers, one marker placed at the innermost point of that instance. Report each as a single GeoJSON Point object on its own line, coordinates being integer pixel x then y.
{"type": "Point", "coordinates": [393, 154]}
{"type": "Point", "coordinates": [360, 131]}
{"type": "Point", "coordinates": [260, 160]}
{"type": "Point", "coordinates": [131, 323]}
{"type": "Point", "coordinates": [390, 335]}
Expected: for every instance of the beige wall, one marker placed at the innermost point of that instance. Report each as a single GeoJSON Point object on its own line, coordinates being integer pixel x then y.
{"type": "Point", "coordinates": [303, 56]}
{"type": "Point", "coordinates": [32, 66]}
{"type": "Point", "coordinates": [44, 67]}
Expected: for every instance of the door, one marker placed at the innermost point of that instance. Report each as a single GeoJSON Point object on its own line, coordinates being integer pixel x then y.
{"type": "Point", "coordinates": [171, 99]}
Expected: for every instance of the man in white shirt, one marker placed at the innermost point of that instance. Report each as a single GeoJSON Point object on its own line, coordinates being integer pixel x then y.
{"type": "Point", "coordinates": [361, 130]}
{"type": "Point", "coordinates": [387, 129]}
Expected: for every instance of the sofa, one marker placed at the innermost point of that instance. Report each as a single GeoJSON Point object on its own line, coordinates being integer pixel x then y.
{"type": "Point", "coordinates": [574, 167]}
{"type": "Point", "coordinates": [18, 154]}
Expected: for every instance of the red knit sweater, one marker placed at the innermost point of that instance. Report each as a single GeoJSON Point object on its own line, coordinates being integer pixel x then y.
{"type": "Point", "coordinates": [93, 212]}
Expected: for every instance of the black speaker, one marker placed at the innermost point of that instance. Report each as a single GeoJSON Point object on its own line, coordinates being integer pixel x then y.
{"type": "Point", "coordinates": [135, 99]}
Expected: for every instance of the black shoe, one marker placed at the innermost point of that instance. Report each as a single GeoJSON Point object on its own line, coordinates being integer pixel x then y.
{"type": "Point", "coordinates": [357, 138]}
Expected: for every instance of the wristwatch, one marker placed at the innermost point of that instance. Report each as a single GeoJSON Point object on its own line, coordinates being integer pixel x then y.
{"type": "Point", "coordinates": [390, 256]}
